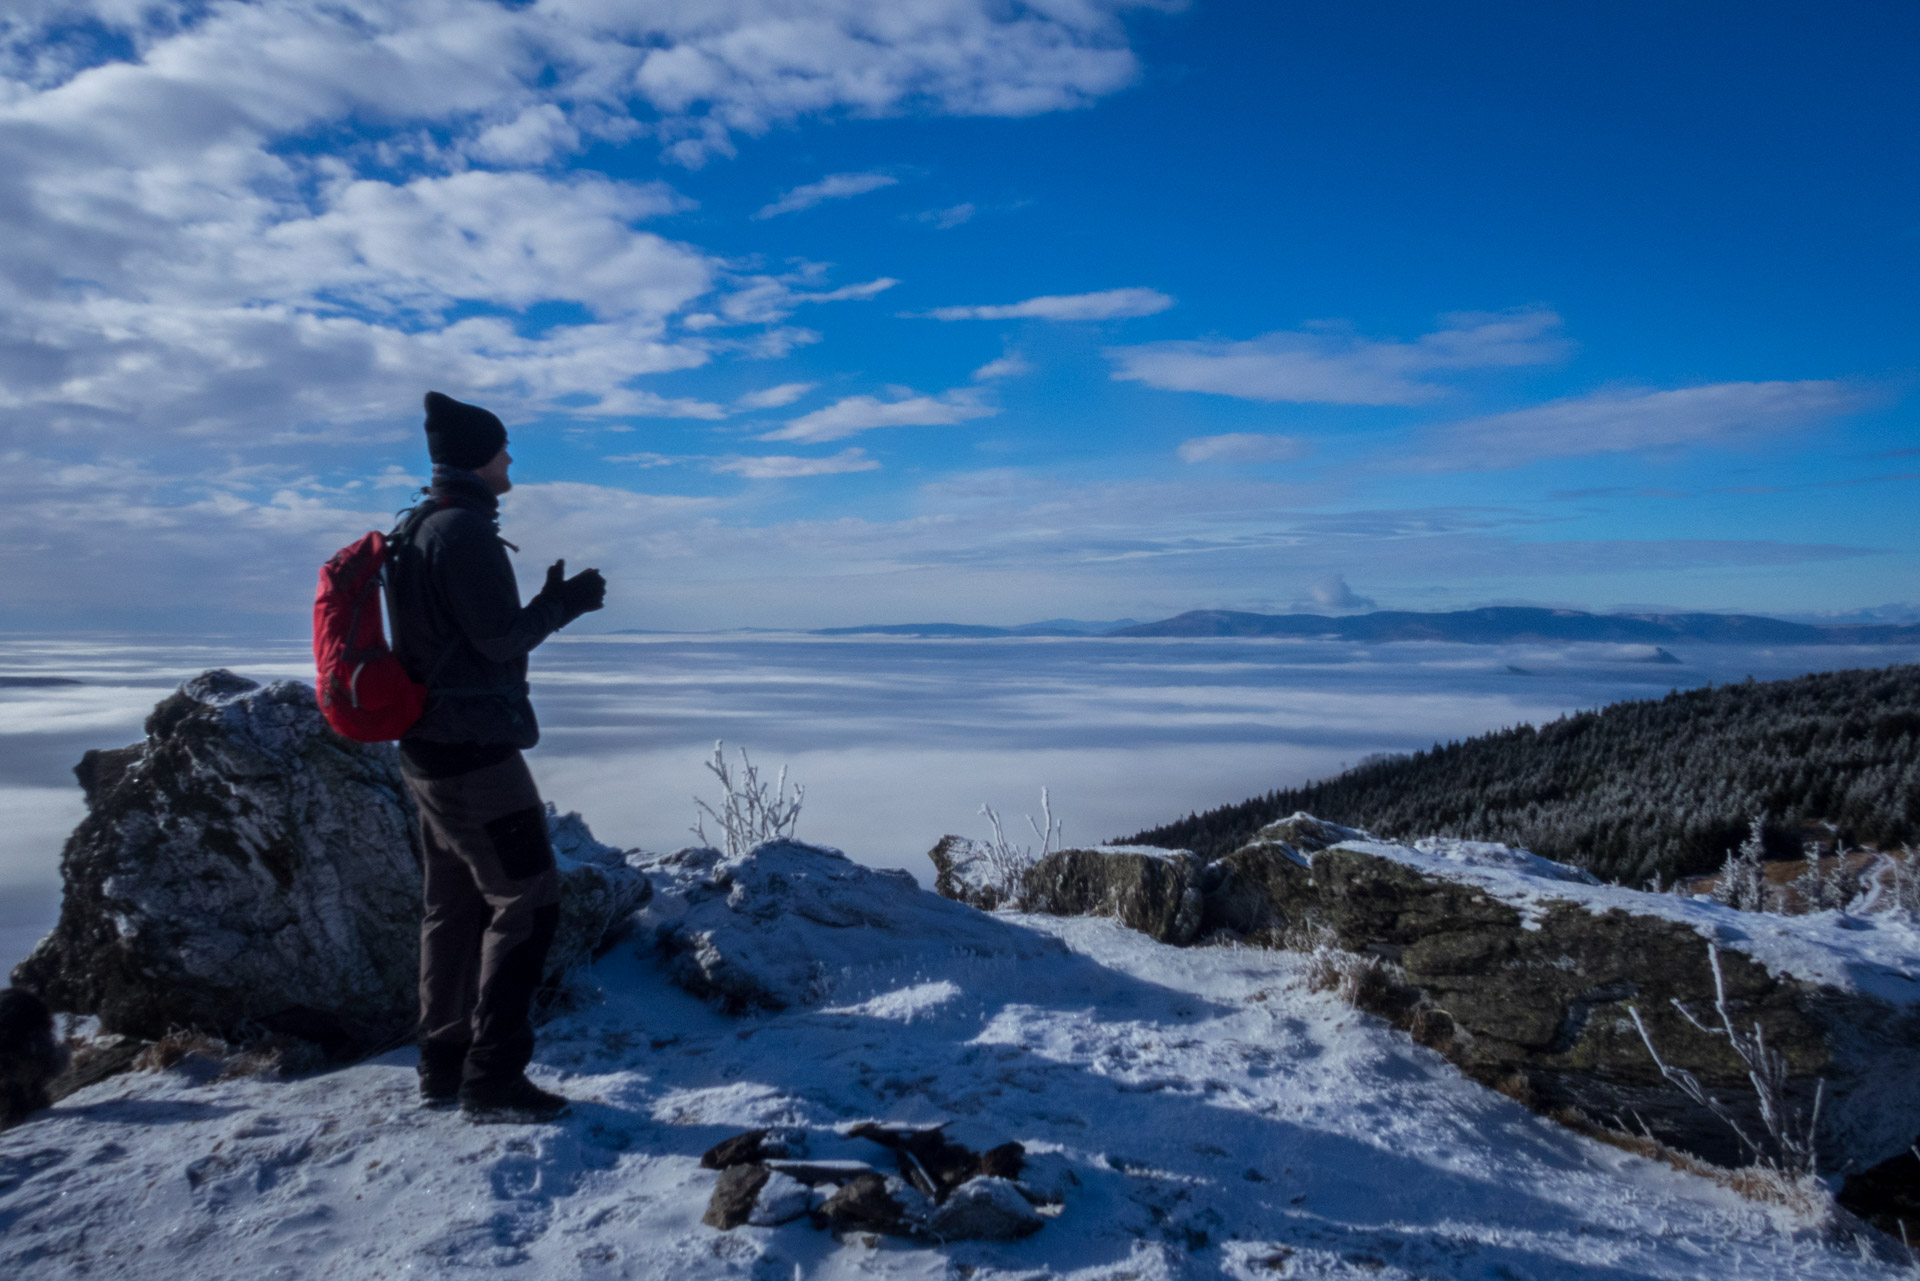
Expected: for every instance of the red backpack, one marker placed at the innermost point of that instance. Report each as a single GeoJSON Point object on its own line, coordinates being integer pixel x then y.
{"type": "Point", "coordinates": [364, 692]}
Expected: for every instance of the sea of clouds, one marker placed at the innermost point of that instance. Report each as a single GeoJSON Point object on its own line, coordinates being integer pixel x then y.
{"type": "Point", "coordinates": [897, 740]}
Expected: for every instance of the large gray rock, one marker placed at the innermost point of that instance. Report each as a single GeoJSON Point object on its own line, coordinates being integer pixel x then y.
{"type": "Point", "coordinates": [246, 869]}
{"type": "Point", "coordinates": [1155, 891]}
{"type": "Point", "coordinates": [789, 924]}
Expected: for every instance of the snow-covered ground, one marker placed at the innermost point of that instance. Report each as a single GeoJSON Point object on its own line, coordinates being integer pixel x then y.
{"type": "Point", "coordinates": [1216, 1118]}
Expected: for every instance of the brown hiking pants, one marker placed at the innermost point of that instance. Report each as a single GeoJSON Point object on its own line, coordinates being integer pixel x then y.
{"type": "Point", "coordinates": [492, 900]}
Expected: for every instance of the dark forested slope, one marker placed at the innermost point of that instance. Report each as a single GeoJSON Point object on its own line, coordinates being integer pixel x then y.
{"type": "Point", "coordinates": [1665, 785]}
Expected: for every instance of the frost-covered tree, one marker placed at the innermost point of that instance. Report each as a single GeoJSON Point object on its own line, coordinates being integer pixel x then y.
{"type": "Point", "coordinates": [1743, 878]}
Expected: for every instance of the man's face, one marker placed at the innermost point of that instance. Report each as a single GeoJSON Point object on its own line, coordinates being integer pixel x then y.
{"type": "Point", "coordinates": [495, 472]}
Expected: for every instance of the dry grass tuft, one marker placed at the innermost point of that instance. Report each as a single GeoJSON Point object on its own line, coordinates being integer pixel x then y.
{"type": "Point", "coordinates": [279, 1056]}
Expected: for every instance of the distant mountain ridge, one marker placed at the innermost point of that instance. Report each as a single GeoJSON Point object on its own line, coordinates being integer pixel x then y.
{"type": "Point", "coordinates": [1491, 626]}
{"type": "Point", "coordinates": [1497, 624]}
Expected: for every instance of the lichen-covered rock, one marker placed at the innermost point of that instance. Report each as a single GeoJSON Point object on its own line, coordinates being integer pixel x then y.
{"type": "Point", "coordinates": [1152, 890]}
{"type": "Point", "coordinates": [245, 869]}
{"type": "Point", "coordinates": [787, 923]}
{"type": "Point", "coordinates": [1543, 989]}
{"type": "Point", "coordinates": [1524, 972]}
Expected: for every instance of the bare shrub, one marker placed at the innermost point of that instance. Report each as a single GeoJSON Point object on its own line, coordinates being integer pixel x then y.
{"type": "Point", "coordinates": [752, 811]}
{"type": "Point", "coordinates": [178, 1045]}
{"type": "Point", "coordinates": [1007, 863]}
{"type": "Point", "coordinates": [1792, 1151]}
{"type": "Point", "coordinates": [275, 1055]}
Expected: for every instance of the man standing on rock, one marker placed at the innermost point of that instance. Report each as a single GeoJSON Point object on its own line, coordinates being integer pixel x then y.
{"type": "Point", "coordinates": [491, 890]}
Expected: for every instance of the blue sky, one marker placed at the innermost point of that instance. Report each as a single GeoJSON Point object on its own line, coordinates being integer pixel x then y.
{"type": "Point", "coordinates": [805, 314]}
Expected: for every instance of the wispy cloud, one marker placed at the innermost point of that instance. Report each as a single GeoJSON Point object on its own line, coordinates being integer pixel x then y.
{"type": "Point", "coordinates": [1011, 365]}
{"type": "Point", "coordinates": [1621, 421]}
{"type": "Point", "coordinates": [1242, 447]}
{"type": "Point", "coordinates": [835, 186]}
{"type": "Point", "coordinates": [767, 300]}
{"type": "Point", "coordinates": [855, 414]}
{"type": "Point", "coordinates": [1332, 366]}
{"type": "Point", "coordinates": [946, 219]}
{"type": "Point", "coordinates": [774, 397]}
{"type": "Point", "coordinates": [1108, 304]}
{"type": "Point", "coordinates": [788, 467]}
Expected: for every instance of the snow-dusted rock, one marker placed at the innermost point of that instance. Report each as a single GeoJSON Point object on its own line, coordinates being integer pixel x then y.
{"type": "Point", "coordinates": [963, 871]}
{"type": "Point", "coordinates": [242, 865]}
{"type": "Point", "coordinates": [876, 1203]}
{"type": "Point", "coordinates": [245, 868]}
{"type": "Point", "coordinates": [599, 893]}
{"type": "Point", "coordinates": [785, 923]}
{"type": "Point", "coordinates": [781, 1199]}
{"type": "Point", "coordinates": [1152, 890]}
{"type": "Point", "coordinates": [1539, 966]}
{"type": "Point", "coordinates": [734, 1195]}
{"type": "Point", "coordinates": [987, 1209]}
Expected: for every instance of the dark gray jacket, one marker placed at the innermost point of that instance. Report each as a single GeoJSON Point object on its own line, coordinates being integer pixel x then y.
{"type": "Point", "coordinates": [458, 625]}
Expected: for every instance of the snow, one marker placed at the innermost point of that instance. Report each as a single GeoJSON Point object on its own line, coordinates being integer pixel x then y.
{"type": "Point", "coordinates": [1877, 954]}
{"type": "Point", "coordinates": [791, 924]}
{"type": "Point", "coordinates": [1200, 1112]}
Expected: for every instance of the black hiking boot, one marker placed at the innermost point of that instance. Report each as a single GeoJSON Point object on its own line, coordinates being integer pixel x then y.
{"type": "Point", "coordinates": [513, 1101]}
{"type": "Point", "coordinates": [441, 1064]}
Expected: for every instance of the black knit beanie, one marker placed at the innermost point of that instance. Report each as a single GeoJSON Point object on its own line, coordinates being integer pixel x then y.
{"type": "Point", "coordinates": [462, 435]}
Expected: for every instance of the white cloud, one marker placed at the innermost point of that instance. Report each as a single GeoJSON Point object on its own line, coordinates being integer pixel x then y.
{"type": "Point", "coordinates": [533, 137]}
{"type": "Point", "coordinates": [1333, 593]}
{"type": "Point", "coordinates": [1620, 421]}
{"type": "Point", "coordinates": [787, 467]}
{"type": "Point", "coordinates": [1242, 447]}
{"type": "Point", "coordinates": [181, 258]}
{"type": "Point", "coordinates": [1011, 365]}
{"type": "Point", "coordinates": [1330, 366]}
{"type": "Point", "coordinates": [835, 186]}
{"type": "Point", "coordinates": [774, 397]}
{"type": "Point", "coordinates": [946, 219]}
{"type": "Point", "coordinates": [1108, 304]}
{"type": "Point", "coordinates": [766, 300]}
{"type": "Point", "coordinates": [854, 414]}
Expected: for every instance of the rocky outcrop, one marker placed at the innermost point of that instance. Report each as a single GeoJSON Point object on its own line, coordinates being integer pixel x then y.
{"type": "Point", "coordinates": [1526, 973]}
{"type": "Point", "coordinates": [1154, 891]}
{"type": "Point", "coordinates": [244, 870]}
{"type": "Point", "coordinates": [788, 923]}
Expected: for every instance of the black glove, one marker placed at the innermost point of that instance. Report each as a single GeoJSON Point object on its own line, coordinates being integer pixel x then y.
{"type": "Point", "coordinates": [585, 592]}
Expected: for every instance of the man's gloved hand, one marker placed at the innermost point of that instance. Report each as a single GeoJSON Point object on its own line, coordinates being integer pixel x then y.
{"type": "Point", "coordinates": [585, 592]}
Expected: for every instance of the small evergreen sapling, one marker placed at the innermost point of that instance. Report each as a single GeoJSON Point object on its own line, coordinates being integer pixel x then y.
{"type": "Point", "coordinates": [1743, 878]}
